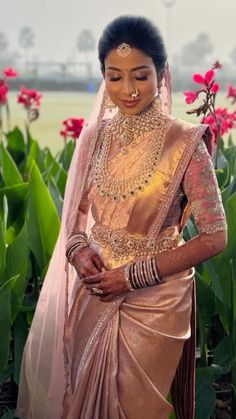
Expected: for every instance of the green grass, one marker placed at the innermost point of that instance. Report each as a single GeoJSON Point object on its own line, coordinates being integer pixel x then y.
{"type": "Point", "coordinates": [59, 106]}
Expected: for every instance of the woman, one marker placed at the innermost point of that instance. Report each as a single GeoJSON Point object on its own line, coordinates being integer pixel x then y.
{"type": "Point", "coordinates": [120, 315]}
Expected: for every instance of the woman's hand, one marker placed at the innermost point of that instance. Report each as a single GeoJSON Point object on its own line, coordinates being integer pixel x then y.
{"type": "Point", "coordinates": [112, 283]}
{"type": "Point", "coordinates": [87, 262]}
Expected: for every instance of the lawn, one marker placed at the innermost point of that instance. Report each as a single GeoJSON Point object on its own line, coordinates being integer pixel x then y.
{"type": "Point", "coordinates": [58, 106]}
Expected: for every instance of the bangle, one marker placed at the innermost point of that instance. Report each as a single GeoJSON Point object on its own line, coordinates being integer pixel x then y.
{"type": "Point", "coordinates": [143, 274]}
{"type": "Point", "coordinates": [75, 243]}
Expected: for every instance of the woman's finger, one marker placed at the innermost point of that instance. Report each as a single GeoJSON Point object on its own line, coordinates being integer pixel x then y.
{"type": "Point", "coordinates": [92, 279]}
{"type": "Point", "coordinates": [98, 262]}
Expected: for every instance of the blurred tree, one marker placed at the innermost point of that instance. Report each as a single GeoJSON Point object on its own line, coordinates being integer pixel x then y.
{"type": "Point", "coordinates": [26, 41]}
{"type": "Point", "coordinates": [233, 55]}
{"type": "Point", "coordinates": [86, 43]}
{"type": "Point", "coordinates": [196, 52]}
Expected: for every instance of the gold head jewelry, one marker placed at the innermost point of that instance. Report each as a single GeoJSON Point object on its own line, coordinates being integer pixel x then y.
{"type": "Point", "coordinates": [123, 50]}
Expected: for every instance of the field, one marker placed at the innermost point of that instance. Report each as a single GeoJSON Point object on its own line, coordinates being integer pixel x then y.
{"type": "Point", "coordinates": [58, 106]}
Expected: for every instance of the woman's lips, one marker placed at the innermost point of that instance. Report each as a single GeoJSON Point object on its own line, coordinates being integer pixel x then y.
{"type": "Point", "coordinates": [130, 103]}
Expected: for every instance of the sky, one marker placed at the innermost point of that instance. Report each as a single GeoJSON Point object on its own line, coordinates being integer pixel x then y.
{"type": "Point", "coordinates": [57, 23]}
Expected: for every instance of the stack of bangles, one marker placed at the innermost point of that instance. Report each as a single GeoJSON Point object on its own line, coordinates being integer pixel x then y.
{"type": "Point", "coordinates": [142, 274]}
{"type": "Point", "coordinates": [75, 243]}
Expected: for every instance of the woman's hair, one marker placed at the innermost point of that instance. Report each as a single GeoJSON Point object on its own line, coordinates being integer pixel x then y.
{"type": "Point", "coordinates": [138, 32]}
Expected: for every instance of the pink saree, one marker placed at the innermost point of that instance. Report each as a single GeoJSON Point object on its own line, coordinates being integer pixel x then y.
{"type": "Point", "coordinates": [85, 359]}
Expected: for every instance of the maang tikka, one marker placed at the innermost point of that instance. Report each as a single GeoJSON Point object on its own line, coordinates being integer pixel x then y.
{"type": "Point", "coordinates": [123, 50]}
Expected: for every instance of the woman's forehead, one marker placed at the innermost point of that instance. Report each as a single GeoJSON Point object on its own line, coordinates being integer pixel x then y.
{"type": "Point", "coordinates": [136, 59]}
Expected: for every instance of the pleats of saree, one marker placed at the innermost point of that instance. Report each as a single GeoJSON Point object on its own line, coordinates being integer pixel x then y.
{"type": "Point", "coordinates": [123, 355]}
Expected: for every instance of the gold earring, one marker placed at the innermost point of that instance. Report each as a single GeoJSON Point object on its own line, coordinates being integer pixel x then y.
{"type": "Point", "coordinates": [108, 102]}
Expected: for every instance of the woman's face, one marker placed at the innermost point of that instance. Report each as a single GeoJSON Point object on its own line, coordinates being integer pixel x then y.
{"type": "Point", "coordinates": [123, 75]}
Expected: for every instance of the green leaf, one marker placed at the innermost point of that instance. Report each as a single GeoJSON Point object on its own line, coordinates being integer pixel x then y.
{"type": "Point", "coordinates": [10, 173]}
{"type": "Point", "coordinates": [229, 252]}
{"type": "Point", "coordinates": [4, 376]}
{"type": "Point", "coordinates": [20, 336]}
{"type": "Point", "coordinates": [3, 250]}
{"type": "Point", "coordinates": [35, 154]}
{"type": "Point", "coordinates": [223, 354]}
{"type": "Point", "coordinates": [5, 321]}
{"type": "Point", "coordinates": [43, 223]}
{"type": "Point", "coordinates": [205, 402]}
{"type": "Point", "coordinates": [56, 196]}
{"type": "Point", "coordinates": [17, 264]}
{"type": "Point", "coordinates": [66, 155]}
{"type": "Point", "coordinates": [16, 198]}
{"type": "Point", "coordinates": [16, 145]}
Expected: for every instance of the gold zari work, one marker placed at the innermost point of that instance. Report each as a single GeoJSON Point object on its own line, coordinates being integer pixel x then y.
{"type": "Point", "coordinates": [130, 129]}
{"type": "Point", "coordinates": [120, 244]}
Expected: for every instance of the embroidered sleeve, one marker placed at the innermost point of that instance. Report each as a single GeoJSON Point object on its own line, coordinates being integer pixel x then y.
{"type": "Point", "coordinates": [201, 188]}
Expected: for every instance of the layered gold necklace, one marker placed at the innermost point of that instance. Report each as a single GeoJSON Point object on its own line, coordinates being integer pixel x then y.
{"type": "Point", "coordinates": [127, 130]}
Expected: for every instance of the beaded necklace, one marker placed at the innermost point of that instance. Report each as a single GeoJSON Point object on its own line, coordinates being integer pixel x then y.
{"type": "Point", "coordinates": [129, 130]}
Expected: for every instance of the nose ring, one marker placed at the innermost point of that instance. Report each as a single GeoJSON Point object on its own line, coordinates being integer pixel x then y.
{"type": "Point", "coordinates": [135, 94]}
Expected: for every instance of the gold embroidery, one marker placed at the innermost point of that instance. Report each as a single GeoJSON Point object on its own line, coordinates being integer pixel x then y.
{"type": "Point", "coordinates": [120, 244]}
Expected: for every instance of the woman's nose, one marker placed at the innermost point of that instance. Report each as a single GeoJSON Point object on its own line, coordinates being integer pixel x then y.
{"type": "Point", "coordinates": [127, 87]}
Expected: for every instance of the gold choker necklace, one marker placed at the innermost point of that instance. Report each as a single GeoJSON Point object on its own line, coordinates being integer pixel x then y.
{"type": "Point", "coordinates": [128, 128]}
{"type": "Point", "coordinates": [124, 188]}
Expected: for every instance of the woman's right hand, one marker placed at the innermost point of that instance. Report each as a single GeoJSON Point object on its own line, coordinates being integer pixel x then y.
{"type": "Point", "coordinates": [87, 262]}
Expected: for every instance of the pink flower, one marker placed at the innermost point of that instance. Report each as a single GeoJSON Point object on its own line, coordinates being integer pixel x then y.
{"type": "Point", "coordinates": [29, 98]}
{"type": "Point", "coordinates": [3, 92]}
{"type": "Point", "coordinates": [10, 72]}
{"type": "Point", "coordinates": [190, 97]}
{"type": "Point", "coordinates": [209, 76]}
{"type": "Point", "coordinates": [217, 65]}
{"type": "Point", "coordinates": [231, 93]}
{"type": "Point", "coordinates": [206, 79]}
{"type": "Point", "coordinates": [214, 88]}
{"type": "Point", "coordinates": [198, 78]}
{"type": "Point", "coordinates": [72, 128]}
{"type": "Point", "coordinates": [226, 120]}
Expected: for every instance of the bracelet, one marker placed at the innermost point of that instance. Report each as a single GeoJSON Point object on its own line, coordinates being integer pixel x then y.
{"type": "Point", "coordinates": [142, 274]}
{"type": "Point", "coordinates": [75, 243]}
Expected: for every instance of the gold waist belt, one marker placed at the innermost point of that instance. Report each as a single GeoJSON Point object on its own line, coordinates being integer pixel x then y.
{"type": "Point", "coordinates": [121, 244]}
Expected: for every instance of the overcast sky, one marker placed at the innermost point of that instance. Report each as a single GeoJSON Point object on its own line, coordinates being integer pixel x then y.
{"type": "Point", "coordinates": [57, 23]}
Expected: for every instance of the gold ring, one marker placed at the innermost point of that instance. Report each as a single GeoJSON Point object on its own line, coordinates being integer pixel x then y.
{"type": "Point", "coordinates": [97, 291]}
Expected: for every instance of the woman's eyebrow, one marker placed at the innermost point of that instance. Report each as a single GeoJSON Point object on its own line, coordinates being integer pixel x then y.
{"type": "Point", "coordinates": [140, 67]}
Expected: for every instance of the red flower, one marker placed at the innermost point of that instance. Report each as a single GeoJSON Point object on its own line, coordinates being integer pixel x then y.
{"type": "Point", "coordinates": [190, 97]}
{"type": "Point", "coordinates": [10, 72]}
{"type": "Point", "coordinates": [29, 98]}
{"type": "Point", "coordinates": [206, 79]}
{"type": "Point", "coordinates": [3, 92]}
{"type": "Point", "coordinates": [214, 88]}
{"type": "Point", "coordinates": [231, 93]}
{"type": "Point", "coordinates": [226, 120]}
{"type": "Point", "coordinates": [72, 128]}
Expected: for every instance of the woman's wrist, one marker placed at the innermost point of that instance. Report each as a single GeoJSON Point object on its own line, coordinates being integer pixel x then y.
{"type": "Point", "coordinates": [142, 274]}
{"type": "Point", "coordinates": [75, 243]}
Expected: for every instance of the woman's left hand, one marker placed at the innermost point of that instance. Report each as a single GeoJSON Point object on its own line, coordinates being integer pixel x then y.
{"type": "Point", "coordinates": [111, 283]}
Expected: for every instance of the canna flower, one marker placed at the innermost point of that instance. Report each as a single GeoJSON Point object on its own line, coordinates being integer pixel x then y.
{"type": "Point", "coordinates": [10, 72]}
{"type": "Point", "coordinates": [190, 96]}
{"type": "Point", "coordinates": [29, 98]}
{"type": "Point", "coordinates": [217, 65]}
{"type": "Point", "coordinates": [72, 128]}
{"type": "Point", "coordinates": [226, 121]}
{"type": "Point", "coordinates": [206, 79]}
{"type": "Point", "coordinates": [214, 88]}
{"type": "Point", "coordinates": [231, 93]}
{"type": "Point", "coordinates": [3, 92]}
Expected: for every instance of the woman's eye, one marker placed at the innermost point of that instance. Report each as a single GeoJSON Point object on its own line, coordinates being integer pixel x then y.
{"type": "Point", "coordinates": [115, 78]}
{"type": "Point", "coordinates": [141, 78]}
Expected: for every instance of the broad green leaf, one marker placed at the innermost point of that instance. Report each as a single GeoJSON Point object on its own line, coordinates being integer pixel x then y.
{"type": "Point", "coordinates": [17, 264]}
{"type": "Point", "coordinates": [4, 376]}
{"type": "Point", "coordinates": [66, 155]}
{"type": "Point", "coordinates": [205, 402]}
{"type": "Point", "coordinates": [19, 338]}
{"type": "Point", "coordinates": [16, 198]}
{"type": "Point", "coordinates": [16, 145]}
{"type": "Point", "coordinates": [43, 223]}
{"type": "Point", "coordinates": [5, 322]}
{"type": "Point", "coordinates": [35, 154]}
{"type": "Point", "coordinates": [56, 196]}
{"type": "Point", "coordinates": [56, 171]}
{"type": "Point", "coordinates": [205, 299]}
{"type": "Point", "coordinates": [223, 354]}
{"type": "Point", "coordinates": [3, 250]}
{"type": "Point", "coordinates": [229, 252]}
{"type": "Point", "coordinates": [10, 173]}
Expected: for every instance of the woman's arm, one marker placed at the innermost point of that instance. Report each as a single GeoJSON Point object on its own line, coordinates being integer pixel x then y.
{"type": "Point", "coordinates": [201, 189]}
